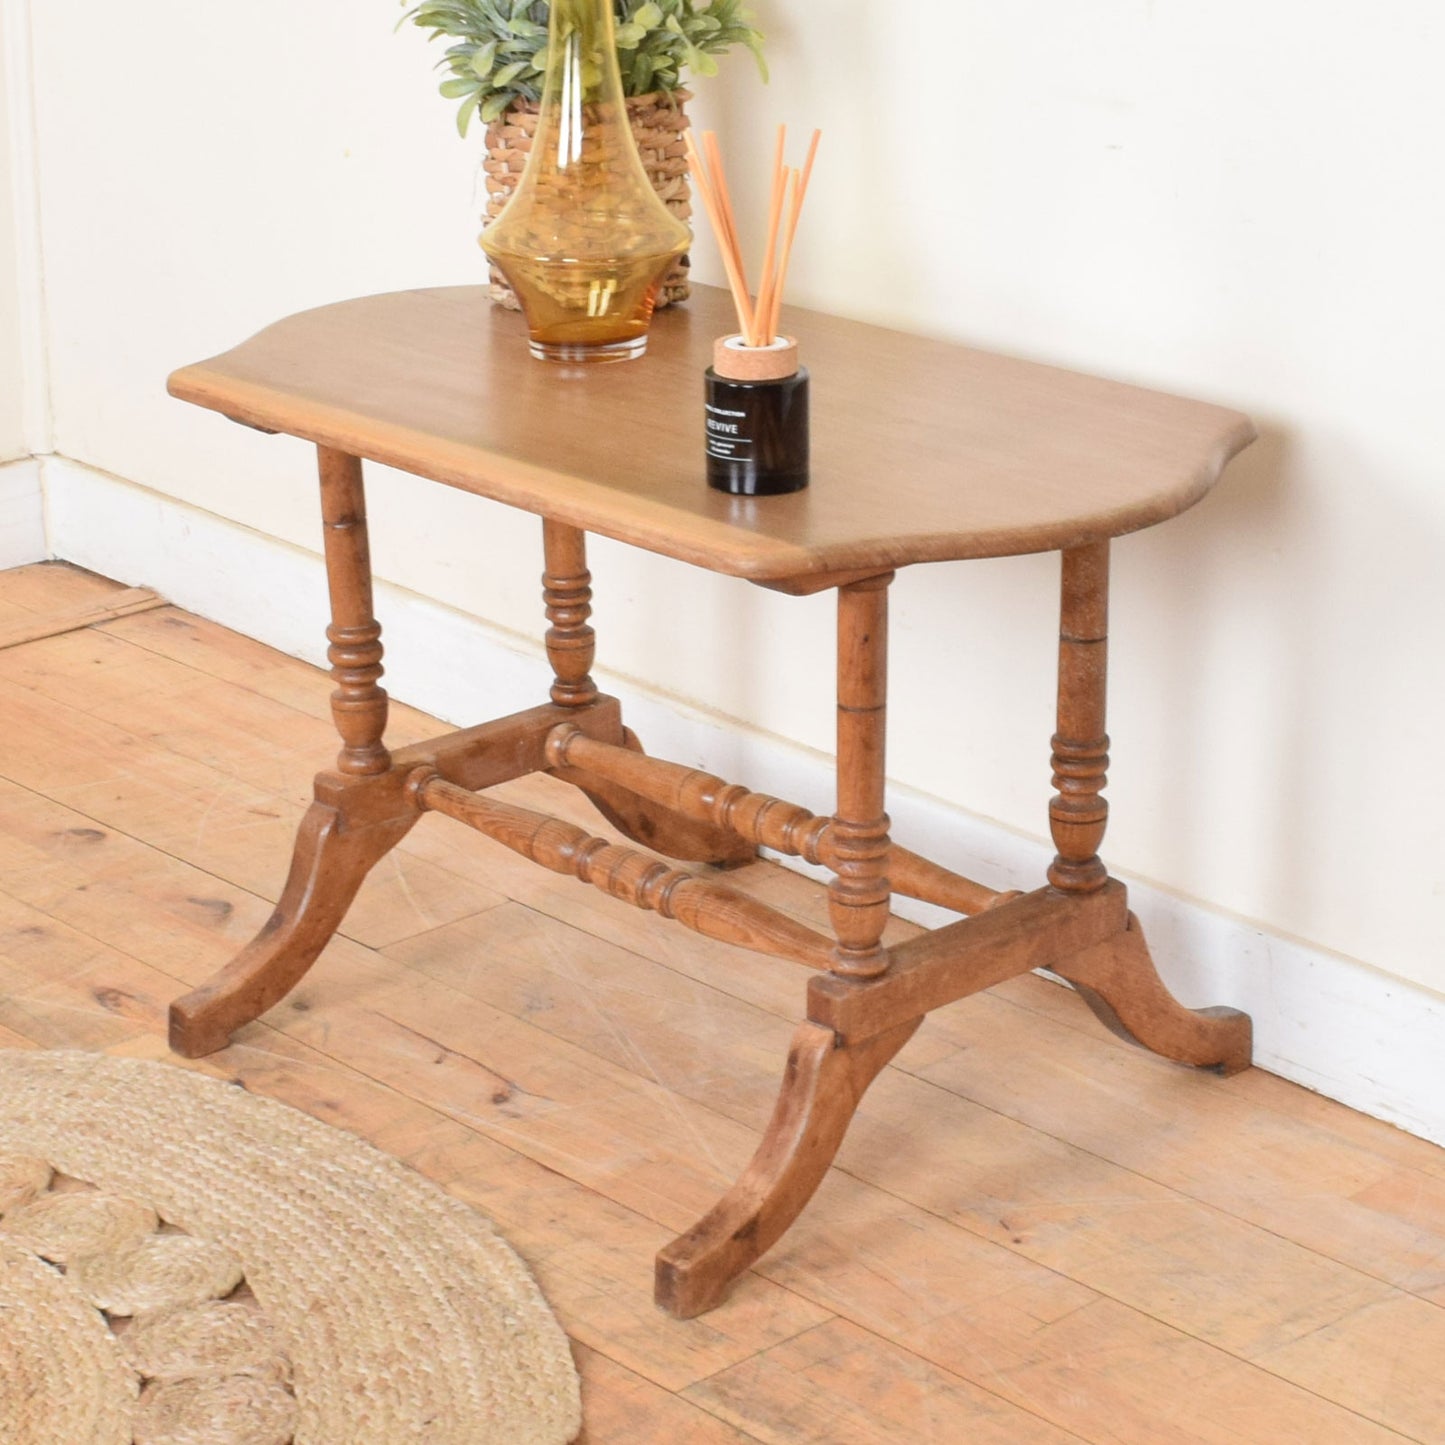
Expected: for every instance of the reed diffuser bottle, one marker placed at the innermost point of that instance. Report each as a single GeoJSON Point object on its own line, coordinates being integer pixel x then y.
{"type": "Point", "coordinates": [757, 418]}
{"type": "Point", "coordinates": [755, 394]}
{"type": "Point", "coordinates": [585, 241]}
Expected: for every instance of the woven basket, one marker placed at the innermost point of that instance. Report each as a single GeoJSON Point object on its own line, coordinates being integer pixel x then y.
{"type": "Point", "coordinates": [658, 121]}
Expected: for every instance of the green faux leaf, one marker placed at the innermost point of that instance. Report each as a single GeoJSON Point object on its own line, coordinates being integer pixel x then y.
{"type": "Point", "coordinates": [497, 49]}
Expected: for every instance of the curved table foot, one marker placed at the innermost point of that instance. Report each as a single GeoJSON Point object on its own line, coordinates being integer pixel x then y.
{"type": "Point", "coordinates": [668, 833]}
{"type": "Point", "coordinates": [822, 1087]}
{"type": "Point", "coordinates": [1118, 981]}
{"type": "Point", "coordinates": [330, 861]}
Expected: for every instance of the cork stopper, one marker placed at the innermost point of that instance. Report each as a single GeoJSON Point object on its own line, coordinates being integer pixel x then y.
{"type": "Point", "coordinates": [734, 359]}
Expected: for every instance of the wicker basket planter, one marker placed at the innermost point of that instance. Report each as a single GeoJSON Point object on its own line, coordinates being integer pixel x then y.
{"type": "Point", "coordinates": [658, 121]}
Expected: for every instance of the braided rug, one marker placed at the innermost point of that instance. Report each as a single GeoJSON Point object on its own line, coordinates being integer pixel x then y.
{"type": "Point", "coordinates": [184, 1263]}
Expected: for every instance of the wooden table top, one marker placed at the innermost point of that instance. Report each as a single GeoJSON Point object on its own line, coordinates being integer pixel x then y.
{"type": "Point", "coordinates": [923, 451]}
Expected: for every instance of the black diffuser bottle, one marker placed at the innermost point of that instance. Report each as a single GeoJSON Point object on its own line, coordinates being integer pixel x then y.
{"type": "Point", "coordinates": [756, 418]}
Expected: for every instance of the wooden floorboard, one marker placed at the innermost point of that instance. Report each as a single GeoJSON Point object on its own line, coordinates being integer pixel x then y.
{"type": "Point", "coordinates": [1033, 1234]}
{"type": "Point", "coordinates": [32, 627]}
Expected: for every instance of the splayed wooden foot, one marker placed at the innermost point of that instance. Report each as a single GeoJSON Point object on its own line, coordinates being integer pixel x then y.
{"type": "Point", "coordinates": [822, 1087]}
{"type": "Point", "coordinates": [330, 861]}
{"type": "Point", "coordinates": [1119, 982]}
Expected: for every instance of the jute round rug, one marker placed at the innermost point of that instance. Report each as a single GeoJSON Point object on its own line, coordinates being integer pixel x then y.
{"type": "Point", "coordinates": [184, 1263]}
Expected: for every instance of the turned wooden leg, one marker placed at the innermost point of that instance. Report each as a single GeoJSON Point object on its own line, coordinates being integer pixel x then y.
{"type": "Point", "coordinates": [331, 858]}
{"type": "Point", "coordinates": [339, 840]}
{"type": "Point", "coordinates": [571, 649]}
{"type": "Point", "coordinates": [1077, 814]}
{"type": "Point", "coordinates": [567, 593]}
{"type": "Point", "coordinates": [1116, 978]}
{"type": "Point", "coordinates": [822, 1087]}
{"type": "Point", "coordinates": [358, 705]}
{"type": "Point", "coordinates": [1119, 982]}
{"type": "Point", "coordinates": [859, 895]}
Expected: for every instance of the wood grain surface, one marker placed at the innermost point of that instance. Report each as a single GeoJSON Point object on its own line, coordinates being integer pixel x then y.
{"type": "Point", "coordinates": [923, 451]}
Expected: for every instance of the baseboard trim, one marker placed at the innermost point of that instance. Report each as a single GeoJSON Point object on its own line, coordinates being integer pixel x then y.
{"type": "Point", "coordinates": [22, 514]}
{"type": "Point", "coordinates": [1331, 1023]}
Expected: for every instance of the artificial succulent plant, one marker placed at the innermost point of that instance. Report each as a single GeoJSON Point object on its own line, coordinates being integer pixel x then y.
{"type": "Point", "coordinates": [497, 49]}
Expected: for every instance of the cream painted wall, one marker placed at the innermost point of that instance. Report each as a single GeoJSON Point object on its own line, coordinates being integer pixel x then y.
{"type": "Point", "coordinates": [12, 417]}
{"type": "Point", "coordinates": [1234, 200]}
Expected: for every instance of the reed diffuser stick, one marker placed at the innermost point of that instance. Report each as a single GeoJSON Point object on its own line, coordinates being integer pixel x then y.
{"type": "Point", "coordinates": [799, 195]}
{"type": "Point", "coordinates": [757, 322]}
{"type": "Point", "coordinates": [725, 201]}
{"type": "Point", "coordinates": [732, 260]}
{"type": "Point", "coordinates": [775, 217]}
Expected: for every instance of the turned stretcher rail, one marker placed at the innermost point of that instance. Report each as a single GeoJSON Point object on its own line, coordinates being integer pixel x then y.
{"type": "Point", "coordinates": [770, 822]}
{"type": "Point", "coordinates": [709, 908]}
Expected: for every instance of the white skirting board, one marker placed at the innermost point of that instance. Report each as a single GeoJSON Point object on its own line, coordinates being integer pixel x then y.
{"type": "Point", "coordinates": [1330, 1023]}
{"type": "Point", "coordinates": [22, 514]}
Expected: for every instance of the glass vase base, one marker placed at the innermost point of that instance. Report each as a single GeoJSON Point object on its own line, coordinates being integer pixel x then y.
{"type": "Point", "coordinates": [573, 353]}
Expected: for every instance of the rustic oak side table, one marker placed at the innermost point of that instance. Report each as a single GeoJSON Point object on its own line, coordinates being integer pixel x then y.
{"type": "Point", "coordinates": [923, 452]}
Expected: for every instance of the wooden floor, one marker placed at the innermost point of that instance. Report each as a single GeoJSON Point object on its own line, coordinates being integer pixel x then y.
{"type": "Point", "coordinates": [1035, 1233]}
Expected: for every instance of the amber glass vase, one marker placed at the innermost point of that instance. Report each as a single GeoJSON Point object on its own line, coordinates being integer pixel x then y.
{"type": "Point", "coordinates": [585, 241]}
